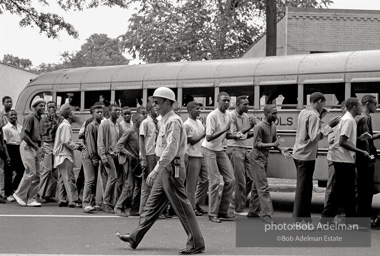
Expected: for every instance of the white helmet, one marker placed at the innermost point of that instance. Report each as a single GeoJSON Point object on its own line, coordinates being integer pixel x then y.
{"type": "Point", "coordinates": [164, 92]}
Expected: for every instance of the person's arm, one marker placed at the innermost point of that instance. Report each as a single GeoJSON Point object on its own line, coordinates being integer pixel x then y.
{"type": "Point", "coordinates": [120, 145]}
{"type": "Point", "coordinates": [344, 143]}
{"type": "Point", "coordinates": [210, 129]}
{"type": "Point", "coordinates": [66, 139]}
{"type": "Point", "coordinates": [101, 146]}
{"type": "Point", "coordinates": [91, 144]}
{"type": "Point", "coordinates": [376, 136]}
{"type": "Point", "coordinates": [193, 139]}
{"type": "Point", "coordinates": [2, 141]}
{"type": "Point", "coordinates": [346, 130]}
{"type": "Point", "coordinates": [142, 133]}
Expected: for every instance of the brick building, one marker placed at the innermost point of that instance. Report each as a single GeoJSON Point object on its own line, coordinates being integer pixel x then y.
{"type": "Point", "coordinates": [310, 30]}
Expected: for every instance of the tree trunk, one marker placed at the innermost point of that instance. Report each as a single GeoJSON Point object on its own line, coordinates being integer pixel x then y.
{"type": "Point", "coordinates": [271, 39]}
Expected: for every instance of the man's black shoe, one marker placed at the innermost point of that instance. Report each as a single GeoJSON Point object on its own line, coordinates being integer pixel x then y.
{"type": "Point", "coordinates": [49, 199]}
{"type": "Point", "coordinates": [214, 219]}
{"type": "Point", "coordinates": [127, 238]}
{"type": "Point", "coordinates": [226, 216]}
{"type": "Point", "coordinates": [63, 204]}
{"type": "Point", "coordinates": [198, 213]}
{"type": "Point", "coordinates": [252, 215]}
{"type": "Point", "coordinates": [199, 209]}
{"type": "Point", "coordinates": [192, 250]}
{"type": "Point", "coordinates": [2, 200]}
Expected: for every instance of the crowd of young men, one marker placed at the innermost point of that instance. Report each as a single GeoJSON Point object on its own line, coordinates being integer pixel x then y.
{"type": "Point", "coordinates": [152, 158]}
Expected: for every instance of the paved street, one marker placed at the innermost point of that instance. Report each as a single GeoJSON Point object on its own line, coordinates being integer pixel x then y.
{"type": "Point", "coordinates": [53, 230]}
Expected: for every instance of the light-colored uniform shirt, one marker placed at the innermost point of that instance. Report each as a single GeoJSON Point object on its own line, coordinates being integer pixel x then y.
{"type": "Point", "coordinates": [239, 122]}
{"type": "Point", "coordinates": [63, 144]}
{"type": "Point", "coordinates": [12, 134]}
{"type": "Point", "coordinates": [149, 129]}
{"type": "Point", "coordinates": [171, 141]}
{"type": "Point", "coordinates": [309, 133]}
{"type": "Point", "coordinates": [216, 121]}
{"type": "Point", "coordinates": [347, 127]}
{"type": "Point", "coordinates": [194, 128]}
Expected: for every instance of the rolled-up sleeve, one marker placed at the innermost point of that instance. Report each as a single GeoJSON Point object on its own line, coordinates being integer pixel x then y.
{"type": "Point", "coordinates": [101, 146]}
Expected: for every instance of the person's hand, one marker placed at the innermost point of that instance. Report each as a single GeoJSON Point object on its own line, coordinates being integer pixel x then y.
{"type": "Point", "coordinates": [8, 161]}
{"type": "Point", "coordinates": [143, 163]}
{"type": "Point", "coordinates": [334, 121]}
{"type": "Point", "coordinates": [252, 121]}
{"type": "Point", "coordinates": [151, 177]}
{"type": "Point", "coordinates": [285, 152]}
{"type": "Point", "coordinates": [365, 136]}
{"type": "Point", "coordinates": [40, 154]}
{"type": "Point", "coordinates": [106, 164]}
{"type": "Point", "coordinates": [278, 142]}
{"type": "Point", "coordinates": [366, 154]}
{"type": "Point", "coordinates": [241, 136]}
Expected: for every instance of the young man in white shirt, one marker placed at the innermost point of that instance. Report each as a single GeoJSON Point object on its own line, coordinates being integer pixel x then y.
{"type": "Point", "coordinates": [343, 156]}
{"type": "Point", "coordinates": [218, 125]}
{"type": "Point", "coordinates": [196, 172]}
{"type": "Point", "coordinates": [12, 136]}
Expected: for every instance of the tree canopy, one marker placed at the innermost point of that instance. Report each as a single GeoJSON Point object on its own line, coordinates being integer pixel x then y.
{"type": "Point", "coordinates": [17, 62]}
{"type": "Point", "coordinates": [49, 23]}
{"type": "Point", "coordinates": [166, 30]}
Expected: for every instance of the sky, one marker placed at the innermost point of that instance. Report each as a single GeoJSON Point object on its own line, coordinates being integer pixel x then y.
{"type": "Point", "coordinates": [28, 43]}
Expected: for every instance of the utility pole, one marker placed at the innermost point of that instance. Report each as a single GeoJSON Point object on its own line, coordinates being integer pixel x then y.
{"type": "Point", "coordinates": [271, 19]}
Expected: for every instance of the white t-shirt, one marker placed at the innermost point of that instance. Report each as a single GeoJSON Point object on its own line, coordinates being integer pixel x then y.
{"type": "Point", "coordinates": [194, 128]}
{"type": "Point", "coordinates": [215, 122]}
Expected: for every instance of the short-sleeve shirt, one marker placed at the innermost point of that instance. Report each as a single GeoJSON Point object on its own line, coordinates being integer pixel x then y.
{"type": "Point", "coordinates": [194, 128]}
{"type": "Point", "coordinates": [12, 134]}
{"type": "Point", "coordinates": [149, 130]}
{"type": "Point", "coordinates": [264, 132]}
{"type": "Point", "coordinates": [216, 121]}
{"type": "Point", "coordinates": [347, 127]}
{"type": "Point", "coordinates": [239, 122]}
{"type": "Point", "coordinates": [32, 126]}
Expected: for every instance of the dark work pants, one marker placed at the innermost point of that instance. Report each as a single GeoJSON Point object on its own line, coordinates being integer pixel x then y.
{"type": "Point", "coordinates": [80, 182]}
{"type": "Point", "coordinates": [344, 191]}
{"type": "Point", "coordinates": [16, 166]}
{"type": "Point", "coordinates": [365, 171]}
{"type": "Point", "coordinates": [304, 190]}
{"type": "Point", "coordinates": [167, 189]}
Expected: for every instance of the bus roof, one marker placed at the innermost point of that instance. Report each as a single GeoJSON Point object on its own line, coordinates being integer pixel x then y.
{"type": "Point", "coordinates": [203, 73]}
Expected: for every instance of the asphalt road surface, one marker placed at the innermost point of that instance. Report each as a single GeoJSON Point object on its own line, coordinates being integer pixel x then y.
{"type": "Point", "coordinates": [53, 230]}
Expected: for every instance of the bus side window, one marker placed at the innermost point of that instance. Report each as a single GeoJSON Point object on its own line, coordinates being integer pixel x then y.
{"type": "Point", "coordinates": [73, 98]}
{"type": "Point", "coordinates": [236, 91]}
{"type": "Point", "coordinates": [283, 96]}
{"type": "Point", "coordinates": [358, 90]}
{"type": "Point", "coordinates": [90, 97]}
{"type": "Point", "coordinates": [46, 96]}
{"type": "Point", "coordinates": [334, 93]}
{"type": "Point", "coordinates": [131, 98]}
{"type": "Point", "coordinates": [204, 95]}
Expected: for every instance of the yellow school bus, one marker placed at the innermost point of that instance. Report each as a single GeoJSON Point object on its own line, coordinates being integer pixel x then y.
{"type": "Point", "coordinates": [286, 81]}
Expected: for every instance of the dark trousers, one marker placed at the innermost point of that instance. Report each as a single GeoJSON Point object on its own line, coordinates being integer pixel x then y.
{"type": "Point", "coordinates": [365, 171]}
{"type": "Point", "coordinates": [80, 183]}
{"type": "Point", "coordinates": [167, 189]}
{"type": "Point", "coordinates": [131, 189]}
{"type": "Point", "coordinates": [344, 191]}
{"type": "Point", "coordinates": [304, 190]}
{"type": "Point", "coordinates": [16, 166]}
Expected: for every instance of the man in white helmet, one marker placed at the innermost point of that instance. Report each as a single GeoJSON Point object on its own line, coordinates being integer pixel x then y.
{"type": "Point", "coordinates": [167, 178]}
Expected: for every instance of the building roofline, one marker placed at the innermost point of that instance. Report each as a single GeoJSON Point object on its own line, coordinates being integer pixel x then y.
{"type": "Point", "coordinates": [19, 68]}
{"type": "Point", "coordinates": [324, 10]}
